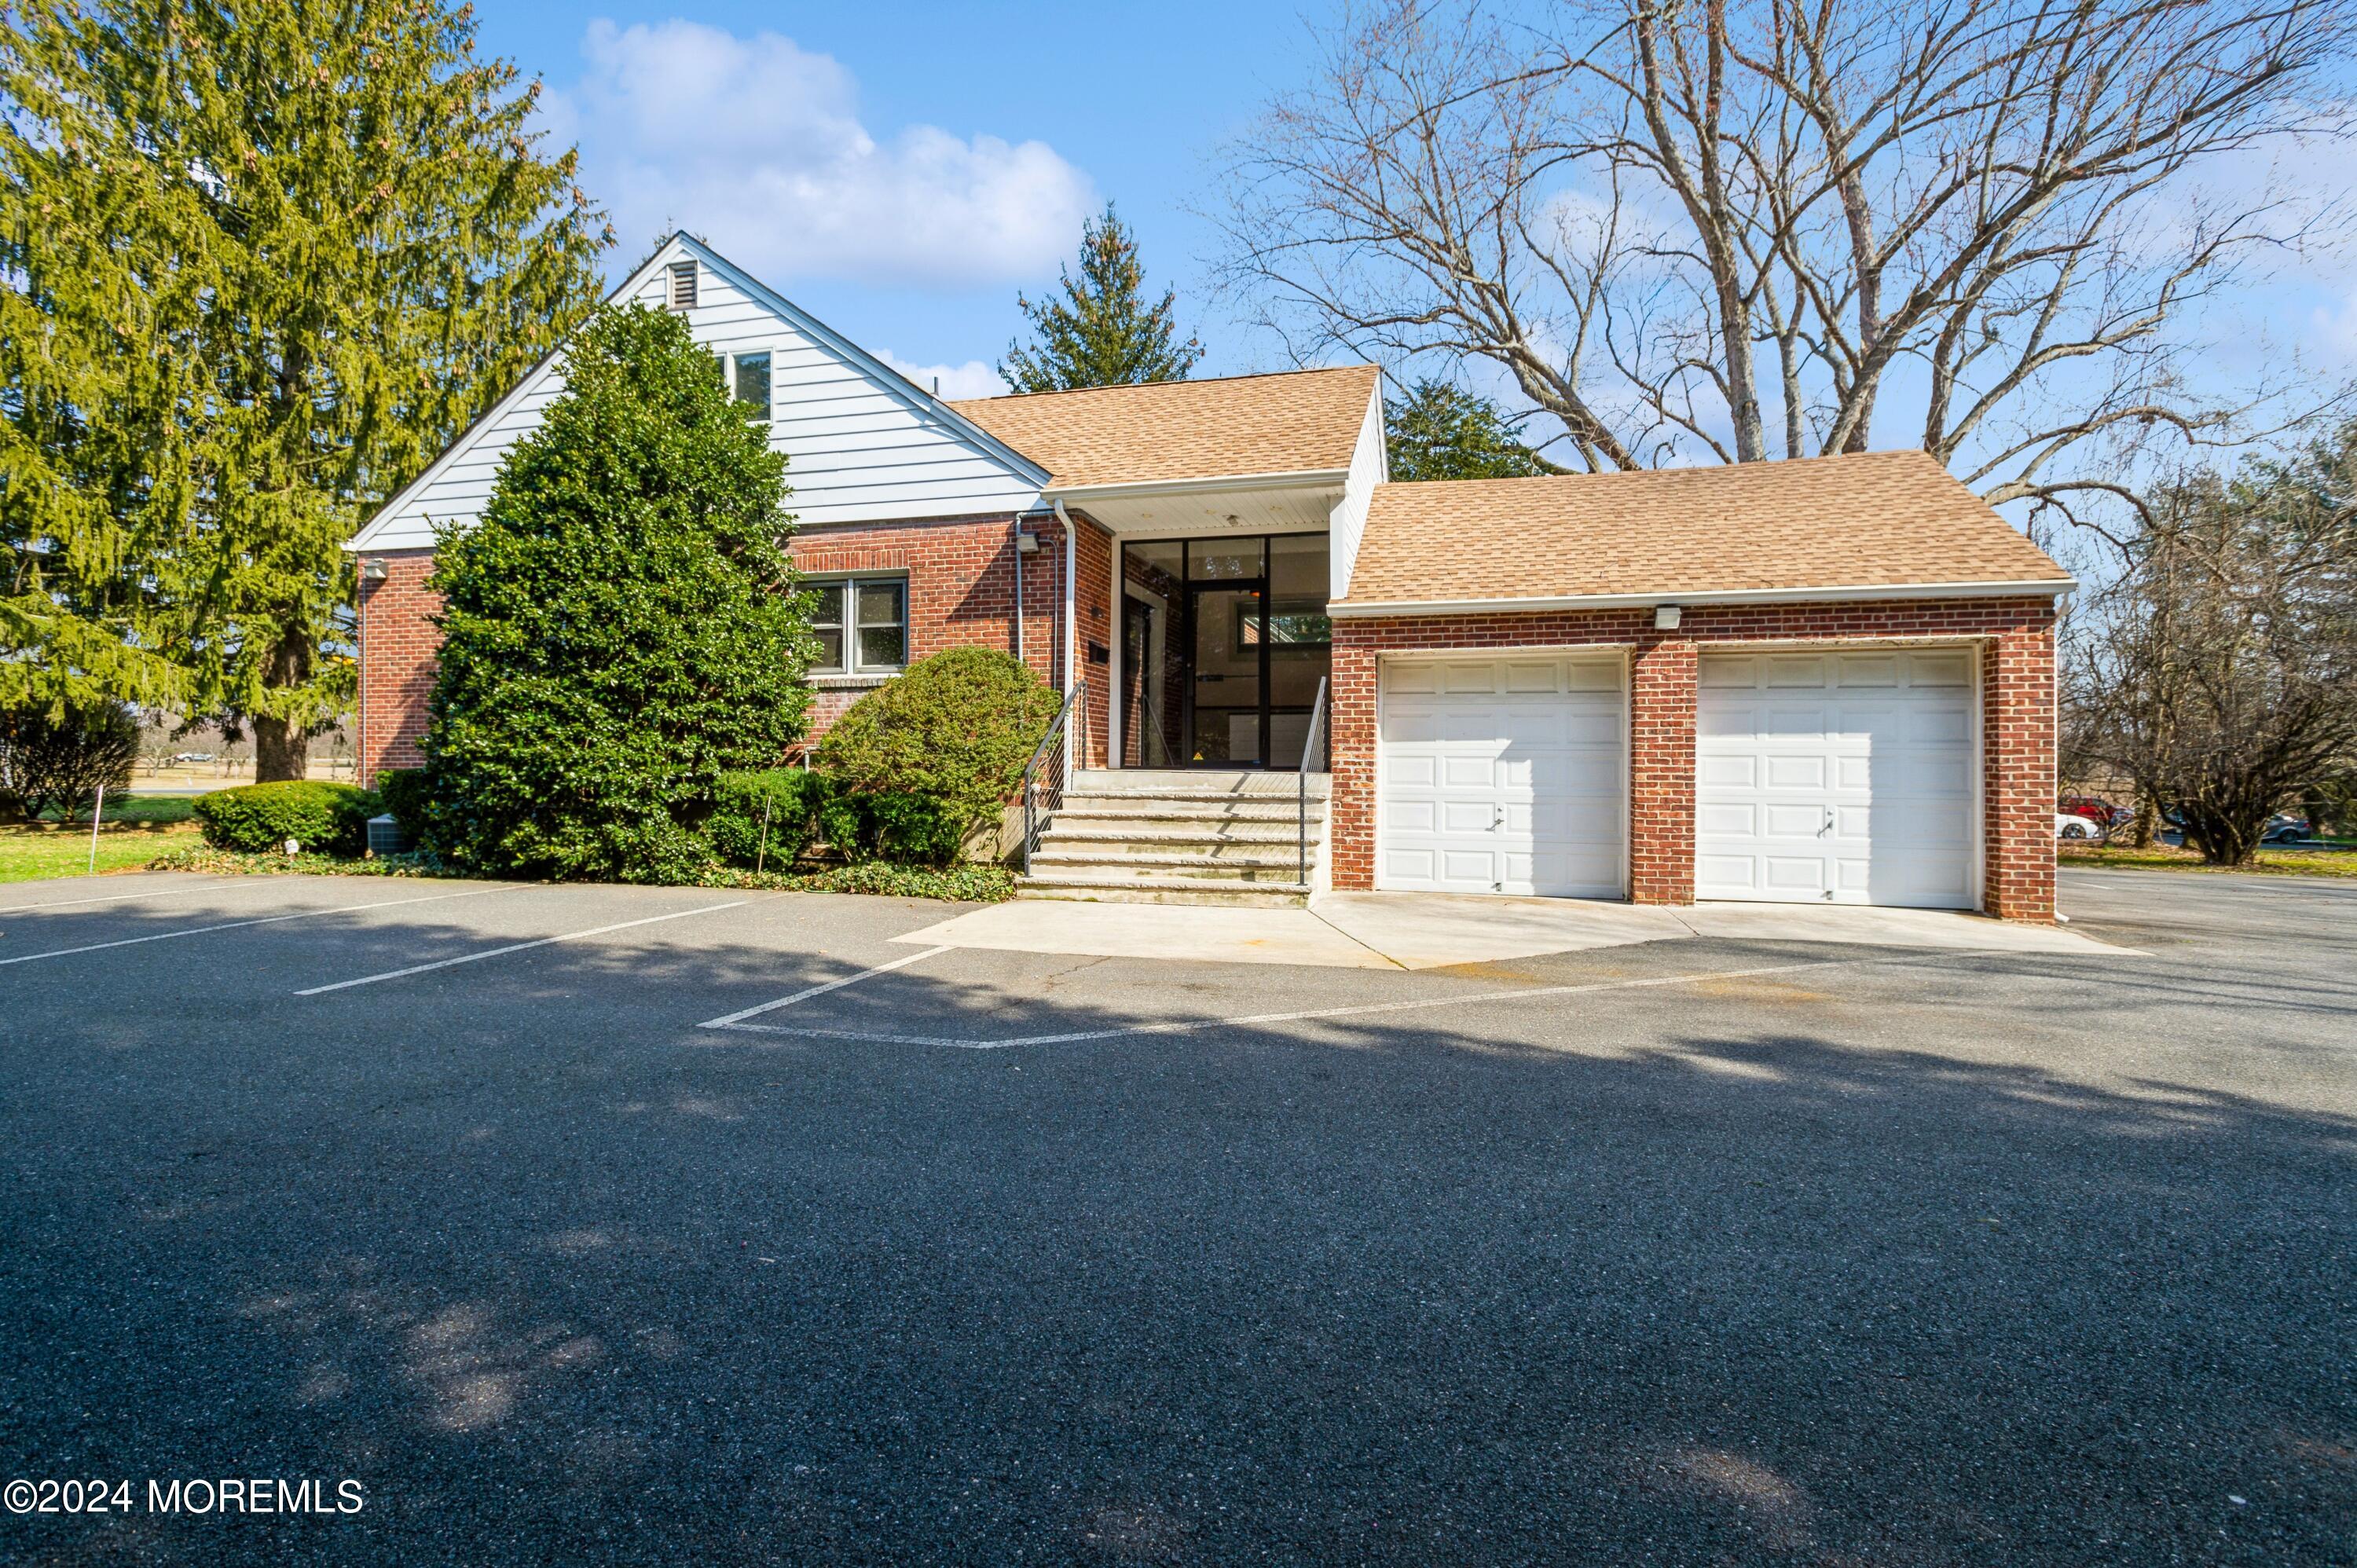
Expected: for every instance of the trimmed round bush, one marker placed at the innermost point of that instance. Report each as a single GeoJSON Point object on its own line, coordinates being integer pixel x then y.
{"type": "Point", "coordinates": [788, 797]}
{"type": "Point", "coordinates": [952, 731]}
{"type": "Point", "coordinates": [330, 819]}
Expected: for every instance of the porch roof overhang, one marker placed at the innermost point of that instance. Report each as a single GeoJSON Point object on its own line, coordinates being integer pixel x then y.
{"type": "Point", "coordinates": [1298, 503]}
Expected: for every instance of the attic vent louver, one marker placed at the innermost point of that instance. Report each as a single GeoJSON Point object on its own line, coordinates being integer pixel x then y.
{"type": "Point", "coordinates": [682, 286]}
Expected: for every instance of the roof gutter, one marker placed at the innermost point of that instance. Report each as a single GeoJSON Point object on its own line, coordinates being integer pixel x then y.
{"type": "Point", "coordinates": [1302, 480]}
{"type": "Point", "coordinates": [2044, 588]}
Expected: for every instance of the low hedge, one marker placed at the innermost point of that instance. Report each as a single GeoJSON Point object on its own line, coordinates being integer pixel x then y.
{"type": "Point", "coordinates": [765, 818]}
{"type": "Point", "coordinates": [329, 819]}
{"type": "Point", "coordinates": [897, 825]}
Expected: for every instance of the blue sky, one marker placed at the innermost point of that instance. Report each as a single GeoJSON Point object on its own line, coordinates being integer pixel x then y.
{"type": "Point", "coordinates": [902, 170]}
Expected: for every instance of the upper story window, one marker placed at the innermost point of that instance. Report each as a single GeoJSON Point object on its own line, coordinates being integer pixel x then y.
{"type": "Point", "coordinates": [750, 379]}
{"type": "Point", "coordinates": [682, 286]}
{"type": "Point", "coordinates": [862, 624]}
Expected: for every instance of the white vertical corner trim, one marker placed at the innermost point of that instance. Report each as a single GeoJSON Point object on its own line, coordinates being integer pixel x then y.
{"type": "Point", "coordinates": [1370, 467]}
{"type": "Point", "coordinates": [1114, 739]}
{"type": "Point", "coordinates": [1070, 638]}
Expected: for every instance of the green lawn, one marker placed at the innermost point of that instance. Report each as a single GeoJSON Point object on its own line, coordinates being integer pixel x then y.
{"type": "Point", "coordinates": [29, 853]}
{"type": "Point", "coordinates": [2166, 858]}
{"type": "Point", "coordinates": [139, 809]}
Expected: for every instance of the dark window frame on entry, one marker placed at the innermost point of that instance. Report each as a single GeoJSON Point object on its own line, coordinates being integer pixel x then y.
{"type": "Point", "coordinates": [834, 597]}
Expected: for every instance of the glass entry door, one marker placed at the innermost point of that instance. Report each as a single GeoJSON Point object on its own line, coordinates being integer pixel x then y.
{"type": "Point", "coordinates": [1229, 647]}
{"type": "Point", "coordinates": [1223, 643]}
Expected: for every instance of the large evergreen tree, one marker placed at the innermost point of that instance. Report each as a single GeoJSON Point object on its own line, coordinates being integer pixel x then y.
{"type": "Point", "coordinates": [622, 628]}
{"type": "Point", "coordinates": [259, 261]}
{"type": "Point", "coordinates": [1101, 332]}
{"type": "Point", "coordinates": [1442, 432]}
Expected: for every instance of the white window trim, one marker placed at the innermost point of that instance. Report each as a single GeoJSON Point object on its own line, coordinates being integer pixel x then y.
{"type": "Point", "coordinates": [728, 379]}
{"type": "Point", "coordinates": [851, 669]}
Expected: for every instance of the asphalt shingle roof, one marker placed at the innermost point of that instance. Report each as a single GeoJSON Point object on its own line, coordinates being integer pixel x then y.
{"type": "Point", "coordinates": [1296, 422]}
{"type": "Point", "coordinates": [1863, 520]}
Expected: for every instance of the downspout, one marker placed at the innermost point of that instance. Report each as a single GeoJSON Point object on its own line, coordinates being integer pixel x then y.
{"type": "Point", "coordinates": [1020, 651]}
{"type": "Point", "coordinates": [1070, 645]}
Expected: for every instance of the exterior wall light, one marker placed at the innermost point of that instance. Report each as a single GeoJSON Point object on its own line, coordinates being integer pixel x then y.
{"type": "Point", "coordinates": [1665, 618]}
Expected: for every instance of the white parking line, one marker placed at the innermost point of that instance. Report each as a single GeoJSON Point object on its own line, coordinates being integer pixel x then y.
{"type": "Point", "coordinates": [736, 1020]}
{"type": "Point", "coordinates": [237, 925]}
{"type": "Point", "coordinates": [517, 946]}
{"type": "Point", "coordinates": [1190, 1026]}
{"type": "Point", "coordinates": [151, 893]}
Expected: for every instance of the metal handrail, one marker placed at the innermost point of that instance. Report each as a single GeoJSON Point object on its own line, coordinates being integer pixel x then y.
{"type": "Point", "coordinates": [1313, 747]}
{"type": "Point", "coordinates": [1044, 775]}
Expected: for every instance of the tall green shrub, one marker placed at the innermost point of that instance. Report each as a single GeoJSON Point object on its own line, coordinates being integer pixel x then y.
{"type": "Point", "coordinates": [929, 756]}
{"type": "Point", "coordinates": [621, 628]}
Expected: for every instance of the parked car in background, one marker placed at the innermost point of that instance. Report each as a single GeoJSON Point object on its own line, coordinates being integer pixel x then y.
{"type": "Point", "coordinates": [2283, 828]}
{"type": "Point", "coordinates": [2096, 808]}
{"type": "Point", "coordinates": [2079, 829]}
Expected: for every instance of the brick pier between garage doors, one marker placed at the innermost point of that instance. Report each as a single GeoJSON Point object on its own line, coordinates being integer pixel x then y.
{"type": "Point", "coordinates": [2005, 645]}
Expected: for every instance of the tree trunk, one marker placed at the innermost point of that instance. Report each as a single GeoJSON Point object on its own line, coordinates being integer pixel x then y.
{"type": "Point", "coordinates": [2145, 825]}
{"type": "Point", "coordinates": [280, 751]}
{"type": "Point", "coordinates": [281, 747]}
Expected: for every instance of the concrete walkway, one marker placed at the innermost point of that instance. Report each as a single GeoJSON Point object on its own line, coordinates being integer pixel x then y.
{"type": "Point", "coordinates": [1434, 930]}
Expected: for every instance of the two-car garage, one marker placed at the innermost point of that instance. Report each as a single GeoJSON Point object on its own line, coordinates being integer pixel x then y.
{"type": "Point", "coordinates": [1842, 775]}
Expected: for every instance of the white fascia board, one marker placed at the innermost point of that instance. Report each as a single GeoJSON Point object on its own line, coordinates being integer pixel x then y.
{"type": "Point", "coordinates": [2041, 588]}
{"type": "Point", "coordinates": [1300, 479]}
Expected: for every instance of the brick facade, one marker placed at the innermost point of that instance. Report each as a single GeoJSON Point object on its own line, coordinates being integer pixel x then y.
{"type": "Point", "coordinates": [2016, 637]}
{"type": "Point", "coordinates": [398, 642]}
{"type": "Point", "coordinates": [961, 575]}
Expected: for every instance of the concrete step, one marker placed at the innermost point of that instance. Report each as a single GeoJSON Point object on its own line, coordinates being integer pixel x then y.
{"type": "Point", "coordinates": [1189, 783]}
{"type": "Point", "coordinates": [1132, 807]}
{"type": "Point", "coordinates": [1108, 864]}
{"type": "Point", "coordinates": [1164, 890]}
{"type": "Point", "coordinates": [1196, 833]}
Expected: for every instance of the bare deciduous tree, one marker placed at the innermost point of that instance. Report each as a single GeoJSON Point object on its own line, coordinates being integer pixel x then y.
{"type": "Point", "coordinates": [2219, 671]}
{"type": "Point", "coordinates": [1732, 226]}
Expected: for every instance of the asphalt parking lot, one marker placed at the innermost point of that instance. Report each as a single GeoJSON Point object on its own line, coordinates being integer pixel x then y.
{"type": "Point", "coordinates": [1709, 1251]}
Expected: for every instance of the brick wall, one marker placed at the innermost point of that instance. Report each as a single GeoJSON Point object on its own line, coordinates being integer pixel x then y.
{"type": "Point", "coordinates": [397, 647]}
{"type": "Point", "coordinates": [2016, 641]}
{"type": "Point", "coordinates": [960, 576]}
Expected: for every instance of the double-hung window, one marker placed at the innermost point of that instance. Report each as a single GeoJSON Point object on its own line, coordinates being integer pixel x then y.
{"type": "Point", "coordinates": [862, 624]}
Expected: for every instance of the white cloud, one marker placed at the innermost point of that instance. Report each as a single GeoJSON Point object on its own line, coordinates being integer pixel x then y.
{"type": "Point", "coordinates": [756, 145]}
{"type": "Point", "coordinates": [973, 379]}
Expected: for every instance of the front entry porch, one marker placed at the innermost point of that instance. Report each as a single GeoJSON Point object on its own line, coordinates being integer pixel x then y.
{"type": "Point", "coordinates": [1224, 642]}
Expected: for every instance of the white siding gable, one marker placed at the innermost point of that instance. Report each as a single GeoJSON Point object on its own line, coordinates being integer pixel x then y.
{"type": "Point", "coordinates": [863, 444]}
{"type": "Point", "coordinates": [1370, 467]}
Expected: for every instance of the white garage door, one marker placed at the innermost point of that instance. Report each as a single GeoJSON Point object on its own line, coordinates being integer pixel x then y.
{"type": "Point", "coordinates": [1502, 775]}
{"type": "Point", "coordinates": [1835, 778]}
